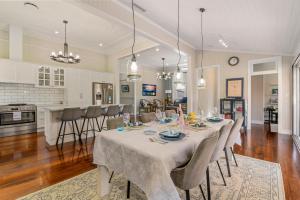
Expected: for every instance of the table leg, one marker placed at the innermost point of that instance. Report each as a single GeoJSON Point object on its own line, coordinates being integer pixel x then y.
{"type": "Point", "coordinates": [103, 185]}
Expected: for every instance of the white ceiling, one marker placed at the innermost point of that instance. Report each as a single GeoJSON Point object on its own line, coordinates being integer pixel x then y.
{"type": "Point", "coordinates": [259, 26]}
{"type": "Point", "coordinates": [84, 29]}
{"type": "Point", "coordinates": [151, 58]}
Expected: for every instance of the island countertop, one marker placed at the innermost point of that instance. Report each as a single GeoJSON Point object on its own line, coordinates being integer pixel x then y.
{"type": "Point", "coordinates": [62, 107]}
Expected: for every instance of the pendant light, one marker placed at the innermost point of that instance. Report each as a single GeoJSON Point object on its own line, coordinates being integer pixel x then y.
{"type": "Point", "coordinates": [164, 75]}
{"type": "Point", "coordinates": [201, 82]}
{"type": "Point", "coordinates": [133, 71]}
{"type": "Point", "coordinates": [64, 56]}
{"type": "Point", "coordinates": [178, 74]}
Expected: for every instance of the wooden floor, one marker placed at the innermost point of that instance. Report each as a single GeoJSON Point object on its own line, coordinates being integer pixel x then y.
{"type": "Point", "coordinates": [27, 164]}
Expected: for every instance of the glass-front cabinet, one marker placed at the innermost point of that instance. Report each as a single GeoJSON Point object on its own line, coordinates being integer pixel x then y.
{"type": "Point", "coordinates": [51, 77]}
{"type": "Point", "coordinates": [296, 103]}
{"type": "Point", "coordinates": [233, 109]}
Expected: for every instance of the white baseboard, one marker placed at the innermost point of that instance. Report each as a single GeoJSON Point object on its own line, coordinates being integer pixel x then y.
{"type": "Point", "coordinates": [257, 122]}
{"type": "Point", "coordinates": [285, 132]}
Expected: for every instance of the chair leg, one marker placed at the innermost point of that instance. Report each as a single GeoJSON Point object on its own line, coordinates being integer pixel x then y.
{"type": "Point", "coordinates": [87, 130]}
{"type": "Point", "coordinates": [221, 173]}
{"type": "Point", "coordinates": [128, 189]}
{"type": "Point", "coordinates": [202, 192]}
{"type": "Point", "coordinates": [111, 176]}
{"type": "Point", "coordinates": [227, 162]}
{"type": "Point", "coordinates": [103, 122]}
{"type": "Point", "coordinates": [73, 129]}
{"type": "Point", "coordinates": [187, 194]}
{"type": "Point", "coordinates": [208, 184]}
{"type": "Point", "coordinates": [63, 136]}
{"type": "Point", "coordinates": [99, 128]}
{"type": "Point", "coordinates": [61, 125]}
{"type": "Point", "coordinates": [93, 123]}
{"type": "Point", "coordinates": [233, 156]}
{"type": "Point", "coordinates": [82, 127]}
{"type": "Point", "coordinates": [79, 135]}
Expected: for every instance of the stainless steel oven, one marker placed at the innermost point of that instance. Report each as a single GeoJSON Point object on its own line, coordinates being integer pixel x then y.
{"type": "Point", "coordinates": [17, 119]}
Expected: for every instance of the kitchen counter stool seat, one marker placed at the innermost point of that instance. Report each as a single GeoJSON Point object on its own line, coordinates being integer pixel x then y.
{"type": "Point", "coordinates": [112, 111]}
{"type": "Point", "coordinates": [91, 115]}
{"type": "Point", "coordinates": [69, 115]}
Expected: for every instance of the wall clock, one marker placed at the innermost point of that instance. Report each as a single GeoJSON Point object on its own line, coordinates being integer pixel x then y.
{"type": "Point", "coordinates": [232, 61]}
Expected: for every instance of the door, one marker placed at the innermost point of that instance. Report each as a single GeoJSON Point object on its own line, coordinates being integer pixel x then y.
{"type": "Point", "coordinates": [296, 104]}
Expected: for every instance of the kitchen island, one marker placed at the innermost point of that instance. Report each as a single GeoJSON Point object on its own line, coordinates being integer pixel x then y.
{"type": "Point", "coordinates": [53, 122]}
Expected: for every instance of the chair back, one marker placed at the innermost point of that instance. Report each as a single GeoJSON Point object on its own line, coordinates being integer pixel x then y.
{"type": "Point", "coordinates": [157, 102]}
{"type": "Point", "coordinates": [127, 109]}
{"type": "Point", "coordinates": [223, 136]}
{"type": "Point", "coordinates": [70, 114]}
{"type": "Point", "coordinates": [148, 117]}
{"type": "Point", "coordinates": [114, 123]}
{"type": "Point", "coordinates": [144, 103]}
{"type": "Point", "coordinates": [113, 110]}
{"type": "Point", "coordinates": [235, 132]}
{"type": "Point", "coordinates": [169, 113]}
{"type": "Point", "coordinates": [194, 172]}
{"type": "Point", "coordinates": [93, 111]}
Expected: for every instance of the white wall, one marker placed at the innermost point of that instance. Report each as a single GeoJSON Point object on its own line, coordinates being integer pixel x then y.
{"type": "Point", "coordinates": [257, 99]}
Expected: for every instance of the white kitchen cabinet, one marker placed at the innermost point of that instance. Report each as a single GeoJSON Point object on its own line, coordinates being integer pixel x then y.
{"type": "Point", "coordinates": [7, 71]}
{"type": "Point", "coordinates": [26, 73]}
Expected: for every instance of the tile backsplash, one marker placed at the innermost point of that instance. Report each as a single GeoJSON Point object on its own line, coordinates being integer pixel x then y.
{"type": "Point", "coordinates": [27, 93]}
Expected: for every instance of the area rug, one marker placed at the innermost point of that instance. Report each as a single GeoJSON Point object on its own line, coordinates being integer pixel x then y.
{"type": "Point", "coordinates": [253, 179]}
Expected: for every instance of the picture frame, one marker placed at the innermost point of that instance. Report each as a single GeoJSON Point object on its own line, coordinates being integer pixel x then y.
{"type": "Point", "coordinates": [125, 88]}
{"type": "Point", "coordinates": [149, 89]}
{"type": "Point", "coordinates": [235, 88]}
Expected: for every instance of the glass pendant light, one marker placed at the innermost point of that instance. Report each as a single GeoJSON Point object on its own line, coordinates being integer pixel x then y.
{"type": "Point", "coordinates": [133, 70]}
{"type": "Point", "coordinates": [201, 82]}
{"type": "Point", "coordinates": [178, 74]}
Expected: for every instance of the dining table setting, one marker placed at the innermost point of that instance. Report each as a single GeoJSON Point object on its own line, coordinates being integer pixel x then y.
{"type": "Point", "coordinates": [146, 153]}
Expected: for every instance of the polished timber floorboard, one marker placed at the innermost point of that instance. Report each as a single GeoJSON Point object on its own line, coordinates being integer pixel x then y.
{"type": "Point", "coordinates": [27, 164]}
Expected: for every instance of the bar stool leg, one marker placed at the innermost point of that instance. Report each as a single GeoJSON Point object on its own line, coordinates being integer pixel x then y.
{"type": "Point", "coordinates": [63, 136]}
{"type": "Point", "coordinates": [93, 127]}
{"type": "Point", "coordinates": [61, 125]}
{"type": "Point", "coordinates": [99, 128]}
{"type": "Point", "coordinates": [79, 135]}
{"type": "Point", "coordinates": [74, 136]}
{"type": "Point", "coordinates": [103, 122]}
{"type": "Point", "coordinates": [87, 130]}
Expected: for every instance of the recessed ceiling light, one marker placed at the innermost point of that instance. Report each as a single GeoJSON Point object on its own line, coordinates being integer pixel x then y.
{"type": "Point", "coordinates": [223, 43]}
{"type": "Point", "coordinates": [157, 49]}
{"type": "Point", "coordinates": [56, 32]}
{"type": "Point", "coordinates": [138, 55]}
{"type": "Point", "coordinates": [167, 64]}
{"type": "Point", "coordinates": [100, 44]}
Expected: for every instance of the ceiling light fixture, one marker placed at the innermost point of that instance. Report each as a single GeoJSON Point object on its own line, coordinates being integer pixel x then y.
{"type": "Point", "coordinates": [223, 43]}
{"type": "Point", "coordinates": [157, 49]}
{"type": "Point", "coordinates": [64, 56]}
{"type": "Point", "coordinates": [164, 75]}
{"type": "Point", "coordinates": [201, 82]}
{"type": "Point", "coordinates": [56, 32]}
{"type": "Point", "coordinates": [133, 70]}
{"type": "Point", "coordinates": [101, 44]}
{"type": "Point", "coordinates": [178, 75]}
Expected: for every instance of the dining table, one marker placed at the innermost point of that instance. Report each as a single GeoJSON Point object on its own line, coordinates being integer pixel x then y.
{"type": "Point", "coordinates": [147, 160]}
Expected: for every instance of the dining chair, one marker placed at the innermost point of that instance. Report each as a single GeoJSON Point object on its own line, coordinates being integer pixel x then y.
{"type": "Point", "coordinates": [114, 123]}
{"type": "Point", "coordinates": [69, 115]}
{"type": "Point", "coordinates": [157, 104]}
{"type": "Point", "coordinates": [91, 115]}
{"type": "Point", "coordinates": [193, 173]}
{"type": "Point", "coordinates": [145, 106]}
{"type": "Point", "coordinates": [223, 135]}
{"type": "Point", "coordinates": [233, 135]}
{"type": "Point", "coordinates": [169, 113]}
{"type": "Point", "coordinates": [148, 117]}
{"type": "Point", "coordinates": [112, 111]}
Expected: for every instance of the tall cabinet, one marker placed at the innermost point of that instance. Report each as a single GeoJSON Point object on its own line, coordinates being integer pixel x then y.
{"type": "Point", "coordinates": [233, 108]}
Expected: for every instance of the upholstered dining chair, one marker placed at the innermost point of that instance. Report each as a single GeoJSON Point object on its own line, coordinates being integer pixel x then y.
{"type": "Point", "coordinates": [233, 135]}
{"type": "Point", "coordinates": [169, 113]}
{"type": "Point", "coordinates": [148, 117]}
{"type": "Point", "coordinates": [114, 123]}
{"type": "Point", "coordinates": [223, 135]}
{"type": "Point", "coordinates": [127, 109]}
{"type": "Point", "coordinates": [145, 106]}
{"type": "Point", "coordinates": [157, 104]}
{"type": "Point", "coordinates": [193, 173]}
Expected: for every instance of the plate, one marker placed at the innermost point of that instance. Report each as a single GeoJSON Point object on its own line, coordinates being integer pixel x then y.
{"type": "Point", "coordinates": [169, 134]}
{"type": "Point", "coordinates": [214, 119]}
{"type": "Point", "coordinates": [149, 132]}
{"type": "Point", "coordinates": [182, 135]}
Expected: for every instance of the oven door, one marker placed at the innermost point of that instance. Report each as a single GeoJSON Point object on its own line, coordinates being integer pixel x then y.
{"type": "Point", "coordinates": [18, 117]}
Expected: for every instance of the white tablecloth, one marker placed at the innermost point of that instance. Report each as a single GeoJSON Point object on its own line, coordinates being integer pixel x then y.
{"type": "Point", "coordinates": [147, 164]}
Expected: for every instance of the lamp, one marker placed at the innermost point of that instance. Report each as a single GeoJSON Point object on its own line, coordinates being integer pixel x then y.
{"type": "Point", "coordinates": [201, 82]}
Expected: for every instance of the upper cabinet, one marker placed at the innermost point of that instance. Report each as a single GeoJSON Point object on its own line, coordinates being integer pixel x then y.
{"type": "Point", "coordinates": [44, 76]}
{"type": "Point", "coordinates": [59, 77]}
{"type": "Point", "coordinates": [51, 77]}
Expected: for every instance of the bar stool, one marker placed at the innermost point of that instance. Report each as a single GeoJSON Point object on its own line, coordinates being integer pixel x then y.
{"type": "Point", "coordinates": [112, 111]}
{"type": "Point", "coordinates": [69, 115]}
{"type": "Point", "coordinates": [126, 109]}
{"type": "Point", "coordinates": [92, 113]}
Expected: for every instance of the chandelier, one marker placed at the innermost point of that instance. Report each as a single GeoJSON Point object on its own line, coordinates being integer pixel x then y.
{"type": "Point", "coordinates": [164, 75]}
{"type": "Point", "coordinates": [64, 56]}
{"type": "Point", "coordinates": [201, 82]}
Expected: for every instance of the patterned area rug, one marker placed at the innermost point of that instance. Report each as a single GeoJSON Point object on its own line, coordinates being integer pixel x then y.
{"type": "Point", "coordinates": [253, 179]}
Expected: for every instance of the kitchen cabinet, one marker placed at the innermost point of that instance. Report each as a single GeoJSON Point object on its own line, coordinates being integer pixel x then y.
{"type": "Point", "coordinates": [7, 71]}
{"type": "Point", "coordinates": [233, 109]}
